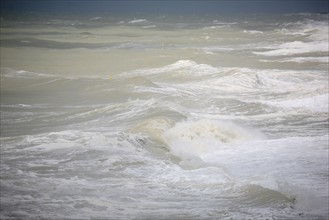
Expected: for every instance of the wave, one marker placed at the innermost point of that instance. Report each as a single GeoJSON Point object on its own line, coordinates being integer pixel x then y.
{"type": "Point", "coordinates": [190, 139]}
{"type": "Point", "coordinates": [111, 153]}
{"type": "Point", "coordinates": [95, 18]}
{"type": "Point", "coordinates": [253, 32]}
{"type": "Point", "coordinates": [223, 23]}
{"type": "Point", "coordinates": [134, 21]}
{"type": "Point", "coordinates": [12, 73]}
{"type": "Point", "coordinates": [167, 125]}
{"type": "Point", "coordinates": [296, 47]}
{"type": "Point", "coordinates": [313, 37]}
{"type": "Point", "coordinates": [188, 79]}
{"type": "Point", "coordinates": [232, 150]}
{"type": "Point", "coordinates": [301, 60]}
{"type": "Point", "coordinates": [181, 67]}
{"type": "Point", "coordinates": [315, 104]}
{"type": "Point", "coordinates": [307, 59]}
{"type": "Point", "coordinates": [150, 26]}
{"type": "Point", "coordinates": [311, 29]}
{"type": "Point", "coordinates": [254, 194]}
{"type": "Point", "coordinates": [154, 127]}
{"type": "Point", "coordinates": [54, 44]}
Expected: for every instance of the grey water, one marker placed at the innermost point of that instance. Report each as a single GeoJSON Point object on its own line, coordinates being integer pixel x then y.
{"type": "Point", "coordinates": [161, 117]}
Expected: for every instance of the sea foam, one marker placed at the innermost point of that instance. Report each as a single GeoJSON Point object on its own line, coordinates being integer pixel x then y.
{"type": "Point", "coordinates": [296, 47]}
{"type": "Point", "coordinates": [189, 139]}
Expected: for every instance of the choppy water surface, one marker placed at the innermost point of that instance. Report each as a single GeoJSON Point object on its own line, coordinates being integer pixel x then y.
{"type": "Point", "coordinates": [164, 117]}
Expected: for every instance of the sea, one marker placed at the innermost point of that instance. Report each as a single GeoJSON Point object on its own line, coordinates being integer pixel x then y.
{"type": "Point", "coordinates": [164, 117]}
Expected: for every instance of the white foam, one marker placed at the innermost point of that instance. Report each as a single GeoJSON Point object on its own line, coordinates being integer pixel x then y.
{"type": "Point", "coordinates": [12, 73]}
{"type": "Point", "coordinates": [150, 26]}
{"type": "Point", "coordinates": [253, 32]}
{"type": "Point", "coordinates": [95, 18]}
{"type": "Point", "coordinates": [136, 21]}
{"type": "Point", "coordinates": [316, 104]}
{"type": "Point", "coordinates": [53, 146]}
{"type": "Point", "coordinates": [307, 59]}
{"type": "Point", "coordinates": [296, 47]}
{"type": "Point", "coordinates": [212, 49]}
{"type": "Point", "coordinates": [180, 64]}
{"type": "Point", "coordinates": [313, 30]}
{"type": "Point", "coordinates": [276, 164]}
{"type": "Point", "coordinates": [300, 60]}
{"type": "Point", "coordinates": [223, 23]}
{"type": "Point", "coordinates": [191, 139]}
{"type": "Point", "coordinates": [154, 127]}
{"type": "Point", "coordinates": [183, 66]}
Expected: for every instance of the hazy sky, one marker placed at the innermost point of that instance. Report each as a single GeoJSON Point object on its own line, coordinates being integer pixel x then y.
{"type": "Point", "coordinates": [166, 6]}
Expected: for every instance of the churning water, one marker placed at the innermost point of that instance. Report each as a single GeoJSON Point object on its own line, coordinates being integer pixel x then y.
{"type": "Point", "coordinates": [164, 117]}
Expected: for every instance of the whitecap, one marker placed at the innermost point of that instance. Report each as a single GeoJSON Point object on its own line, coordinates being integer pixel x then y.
{"type": "Point", "coordinates": [136, 21]}
{"type": "Point", "coordinates": [253, 32]}
{"type": "Point", "coordinates": [296, 47]}
{"type": "Point", "coordinates": [187, 66]}
{"type": "Point", "coordinates": [315, 104]}
{"type": "Point", "coordinates": [150, 26]}
{"type": "Point", "coordinates": [307, 59]}
{"type": "Point", "coordinates": [192, 139]}
{"type": "Point", "coordinates": [95, 18]}
{"type": "Point", "coordinates": [12, 73]}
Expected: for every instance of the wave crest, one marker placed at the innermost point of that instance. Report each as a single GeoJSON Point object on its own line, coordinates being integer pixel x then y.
{"type": "Point", "coordinates": [191, 139]}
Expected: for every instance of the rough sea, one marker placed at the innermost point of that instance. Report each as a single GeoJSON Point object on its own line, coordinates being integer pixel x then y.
{"type": "Point", "coordinates": [164, 117]}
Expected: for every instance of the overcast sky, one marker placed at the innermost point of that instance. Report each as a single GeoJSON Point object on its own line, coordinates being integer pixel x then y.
{"type": "Point", "coordinates": [166, 6]}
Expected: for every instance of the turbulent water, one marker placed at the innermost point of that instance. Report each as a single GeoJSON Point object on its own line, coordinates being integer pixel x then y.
{"type": "Point", "coordinates": [213, 117]}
